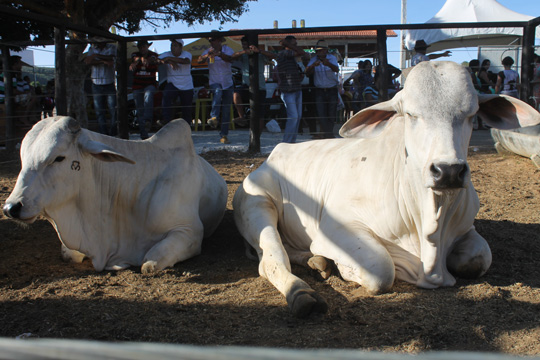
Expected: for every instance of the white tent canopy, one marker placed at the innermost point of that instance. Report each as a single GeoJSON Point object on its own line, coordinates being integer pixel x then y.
{"type": "Point", "coordinates": [455, 11]}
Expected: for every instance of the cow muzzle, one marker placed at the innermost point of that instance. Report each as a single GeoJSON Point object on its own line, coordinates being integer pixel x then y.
{"type": "Point", "coordinates": [13, 211]}
{"type": "Point", "coordinates": [448, 176]}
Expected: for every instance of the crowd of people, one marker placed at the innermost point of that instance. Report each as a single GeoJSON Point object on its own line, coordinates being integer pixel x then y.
{"type": "Point", "coordinates": [293, 69]}
{"type": "Point", "coordinates": [31, 103]}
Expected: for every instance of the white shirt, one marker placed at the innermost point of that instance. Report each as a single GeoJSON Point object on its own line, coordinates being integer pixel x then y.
{"type": "Point", "coordinates": [220, 70]}
{"type": "Point", "coordinates": [180, 77]}
{"type": "Point", "coordinates": [324, 76]}
{"type": "Point", "coordinates": [102, 74]}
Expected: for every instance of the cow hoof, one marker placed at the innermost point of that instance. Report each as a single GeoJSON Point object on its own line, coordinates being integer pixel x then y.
{"type": "Point", "coordinates": [320, 264]}
{"type": "Point", "coordinates": [149, 267]}
{"type": "Point", "coordinates": [305, 302]}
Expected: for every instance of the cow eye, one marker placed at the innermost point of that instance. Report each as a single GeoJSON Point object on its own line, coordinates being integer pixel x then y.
{"type": "Point", "coordinates": [59, 159]}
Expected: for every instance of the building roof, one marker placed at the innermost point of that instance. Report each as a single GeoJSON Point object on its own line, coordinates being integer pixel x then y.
{"type": "Point", "coordinates": [360, 34]}
{"type": "Point", "coordinates": [356, 43]}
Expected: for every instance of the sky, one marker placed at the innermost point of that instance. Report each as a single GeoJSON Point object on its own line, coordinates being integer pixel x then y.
{"type": "Point", "coordinates": [262, 13]}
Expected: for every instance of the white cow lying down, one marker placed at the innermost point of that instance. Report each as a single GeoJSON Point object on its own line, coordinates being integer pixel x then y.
{"type": "Point", "coordinates": [119, 202]}
{"type": "Point", "coordinates": [392, 199]}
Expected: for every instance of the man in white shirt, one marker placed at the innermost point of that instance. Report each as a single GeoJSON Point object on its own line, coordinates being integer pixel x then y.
{"type": "Point", "coordinates": [101, 57]}
{"type": "Point", "coordinates": [219, 58]}
{"type": "Point", "coordinates": [179, 82]}
{"type": "Point", "coordinates": [325, 68]}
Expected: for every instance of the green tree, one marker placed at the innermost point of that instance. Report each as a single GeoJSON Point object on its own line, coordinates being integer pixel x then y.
{"type": "Point", "coordinates": [128, 15]}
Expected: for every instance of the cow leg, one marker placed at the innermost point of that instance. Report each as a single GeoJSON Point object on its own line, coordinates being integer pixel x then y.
{"type": "Point", "coordinates": [178, 245]}
{"type": "Point", "coordinates": [358, 257]}
{"type": "Point", "coordinates": [275, 266]}
{"type": "Point", "coordinates": [259, 227]}
{"type": "Point", "coordinates": [71, 255]}
{"type": "Point", "coordinates": [471, 256]}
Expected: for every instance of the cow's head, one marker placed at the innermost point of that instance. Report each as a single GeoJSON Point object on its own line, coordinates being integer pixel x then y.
{"type": "Point", "coordinates": [53, 154]}
{"type": "Point", "coordinates": [436, 108]}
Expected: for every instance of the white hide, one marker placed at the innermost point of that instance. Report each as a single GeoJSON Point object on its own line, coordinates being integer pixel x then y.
{"type": "Point", "coordinates": [121, 203]}
{"type": "Point", "coordinates": [371, 202]}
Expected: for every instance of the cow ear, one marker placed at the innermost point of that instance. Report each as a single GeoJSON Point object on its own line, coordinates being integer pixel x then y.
{"type": "Point", "coordinates": [371, 121]}
{"type": "Point", "coordinates": [101, 151]}
{"type": "Point", "coordinates": [506, 112]}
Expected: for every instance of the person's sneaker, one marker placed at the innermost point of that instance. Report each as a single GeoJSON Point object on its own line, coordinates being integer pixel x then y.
{"type": "Point", "coordinates": [212, 122]}
{"type": "Point", "coordinates": [224, 140]}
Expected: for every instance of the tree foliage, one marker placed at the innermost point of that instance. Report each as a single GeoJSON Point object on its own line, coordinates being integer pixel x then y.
{"type": "Point", "coordinates": [129, 15]}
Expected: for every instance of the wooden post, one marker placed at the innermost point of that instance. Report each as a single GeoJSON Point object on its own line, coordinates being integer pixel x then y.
{"type": "Point", "coordinates": [121, 91]}
{"type": "Point", "coordinates": [254, 99]}
{"type": "Point", "coordinates": [383, 64]}
{"type": "Point", "coordinates": [9, 101]}
{"type": "Point", "coordinates": [60, 94]}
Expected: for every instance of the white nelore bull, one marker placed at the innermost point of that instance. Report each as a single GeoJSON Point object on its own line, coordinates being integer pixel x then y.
{"type": "Point", "coordinates": [393, 199]}
{"type": "Point", "coordinates": [121, 203]}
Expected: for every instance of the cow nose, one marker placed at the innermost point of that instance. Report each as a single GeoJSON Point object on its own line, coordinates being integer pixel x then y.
{"type": "Point", "coordinates": [13, 210]}
{"type": "Point", "coordinates": [448, 176]}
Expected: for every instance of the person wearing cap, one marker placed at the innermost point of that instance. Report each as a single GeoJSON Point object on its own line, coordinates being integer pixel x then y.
{"type": "Point", "coordinates": [101, 57]}
{"type": "Point", "coordinates": [144, 66]}
{"type": "Point", "coordinates": [324, 67]}
{"type": "Point", "coordinates": [290, 77]}
{"type": "Point", "coordinates": [179, 82]}
{"type": "Point", "coordinates": [219, 58]}
{"type": "Point", "coordinates": [421, 47]}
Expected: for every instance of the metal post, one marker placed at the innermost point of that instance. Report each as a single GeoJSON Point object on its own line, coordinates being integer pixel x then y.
{"type": "Point", "coordinates": [402, 50]}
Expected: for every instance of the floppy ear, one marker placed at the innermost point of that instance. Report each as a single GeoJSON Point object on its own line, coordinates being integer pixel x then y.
{"type": "Point", "coordinates": [101, 151]}
{"type": "Point", "coordinates": [371, 121]}
{"type": "Point", "coordinates": [506, 112]}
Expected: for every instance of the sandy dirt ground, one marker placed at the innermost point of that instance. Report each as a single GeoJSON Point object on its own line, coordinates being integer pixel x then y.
{"type": "Point", "coordinates": [218, 298]}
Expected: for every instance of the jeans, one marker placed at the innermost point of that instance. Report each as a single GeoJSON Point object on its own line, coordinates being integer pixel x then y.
{"type": "Point", "coordinates": [144, 103]}
{"type": "Point", "coordinates": [105, 95]}
{"type": "Point", "coordinates": [293, 104]}
{"type": "Point", "coordinates": [326, 100]}
{"type": "Point", "coordinates": [170, 94]}
{"type": "Point", "coordinates": [221, 103]}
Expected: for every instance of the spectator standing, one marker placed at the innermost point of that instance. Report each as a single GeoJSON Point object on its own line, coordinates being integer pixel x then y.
{"type": "Point", "coordinates": [508, 79]}
{"type": "Point", "coordinates": [101, 58]}
{"type": "Point", "coordinates": [421, 47]}
{"type": "Point", "coordinates": [354, 82]}
{"type": "Point", "coordinates": [488, 86]}
{"type": "Point", "coordinates": [144, 64]}
{"type": "Point", "coordinates": [290, 78]}
{"type": "Point", "coordinates": [179, 82]}
{"type": "Point", "coordinates": [47, 101]}
{"type": "Point", "coordinates": [241, 94]}
{"type": "Point", "coordinates": [219, 58]}
{"type": "Point", "coordinates": [325, 68]}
